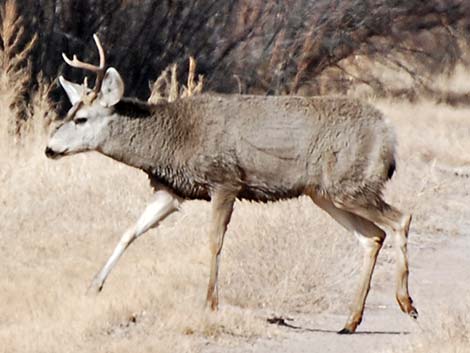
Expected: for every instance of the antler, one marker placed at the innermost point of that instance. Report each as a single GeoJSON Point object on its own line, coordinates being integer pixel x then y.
{"type": "Point", "coordinates": [99, 70]}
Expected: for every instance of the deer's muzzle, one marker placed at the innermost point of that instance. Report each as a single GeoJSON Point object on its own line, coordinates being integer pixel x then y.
{"type": "Point", "coordinates": [50, 153]}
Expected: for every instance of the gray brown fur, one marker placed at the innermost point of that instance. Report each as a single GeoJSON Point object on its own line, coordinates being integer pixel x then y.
{"type": "Point", "coordinates": [268, 148]}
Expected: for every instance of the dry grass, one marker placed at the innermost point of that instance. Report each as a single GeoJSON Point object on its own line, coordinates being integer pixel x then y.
{"type": "Point", "coordinates": [15, 69]}
{"type": "Point", "coordinates": [449, 332]}
{"type": "Point", "coordinates": [166, 87]}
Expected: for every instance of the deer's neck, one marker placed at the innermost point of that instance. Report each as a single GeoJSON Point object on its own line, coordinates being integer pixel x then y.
{"type": "Point", "coordinates": [142, 135]}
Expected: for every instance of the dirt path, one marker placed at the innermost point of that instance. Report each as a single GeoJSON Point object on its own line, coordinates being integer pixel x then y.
{"type": "Point", "coordinates": [438, 271]}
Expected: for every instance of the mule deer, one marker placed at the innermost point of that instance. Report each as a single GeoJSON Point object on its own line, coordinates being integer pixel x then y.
{"type": "Point", "coordinates": [337, 151]}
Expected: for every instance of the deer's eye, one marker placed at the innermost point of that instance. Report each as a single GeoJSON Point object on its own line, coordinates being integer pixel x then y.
{"type": "Point", "coordinates": [79, 121]}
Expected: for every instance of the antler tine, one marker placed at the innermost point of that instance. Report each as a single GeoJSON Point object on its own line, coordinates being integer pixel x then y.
{"type": "Point", "coordinates": [100, 51]}
{"type": "Point", "coordinates": [80, 64]}
{"type": "Point", "coordinates": [99, 70]}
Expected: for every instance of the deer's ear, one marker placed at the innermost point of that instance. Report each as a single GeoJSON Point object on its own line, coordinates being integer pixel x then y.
{"type": "Point", "coordinates": [112, 88]}
{"type": "Point", "coordinates": [74, 91]}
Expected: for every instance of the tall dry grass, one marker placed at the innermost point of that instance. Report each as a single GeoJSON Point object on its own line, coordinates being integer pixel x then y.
{"type": "Point", "coordinates": [15, 67]}
{"type": "Point", "coordinates": [166, 86]}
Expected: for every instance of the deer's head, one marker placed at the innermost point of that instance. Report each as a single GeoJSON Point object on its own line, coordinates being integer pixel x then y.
{"type": "Point", "coordinates": [86, 124]}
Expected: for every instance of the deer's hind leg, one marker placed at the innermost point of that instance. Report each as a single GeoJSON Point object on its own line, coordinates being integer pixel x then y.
{"type": "Point", "coordinates": [386, 216]}
{"type": "Point", "coordinates": [371, 238]}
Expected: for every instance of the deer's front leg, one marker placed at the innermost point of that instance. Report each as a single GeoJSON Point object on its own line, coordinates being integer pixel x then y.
{"type": "Point", "coordinates": [222, 207]}
{"type": "Point", "coordinates": [164, 204]}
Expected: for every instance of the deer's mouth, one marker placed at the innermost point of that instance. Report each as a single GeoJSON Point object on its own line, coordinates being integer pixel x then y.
{"type": "Point", "coordinates": [50, 153]}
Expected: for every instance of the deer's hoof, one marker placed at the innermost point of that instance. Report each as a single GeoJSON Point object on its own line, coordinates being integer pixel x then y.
{"type": "Point", "coordinates": [345, 331]}
{"type": "Point", "coordinates": [406, 305]}
{"type": "Point", "coordinates": [413, 313]}
{"type": "Point", "coordinates": [212, 306]}
{"type": "Point", "coordinates": [94, 288]}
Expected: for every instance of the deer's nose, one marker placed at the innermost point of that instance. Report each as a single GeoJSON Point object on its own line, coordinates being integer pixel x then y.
{"type": "Point", "coordinates": [50, 153]}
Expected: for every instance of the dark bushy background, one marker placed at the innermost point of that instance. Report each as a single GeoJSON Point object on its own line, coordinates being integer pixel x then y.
{"type": "Point", "coordinates": [271, 46]}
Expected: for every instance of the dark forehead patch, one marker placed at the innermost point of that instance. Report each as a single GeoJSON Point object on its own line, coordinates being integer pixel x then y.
{"type": "Point", "coordinates": [133, 108]}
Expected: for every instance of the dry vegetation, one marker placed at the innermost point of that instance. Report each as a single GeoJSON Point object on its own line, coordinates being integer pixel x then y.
{"type": "Point", "coordinates": [449, 333]}
{"type": "Point", "coordinates": [15, 67]}
{"type": "Point", "coordinates": [60, 220]}
{"type": "Point", "coordinates": [166, 86]}
{"type": "Point", "coordinates": [274, 46]}
{"type": "Point", "coordinates": [15, 78]}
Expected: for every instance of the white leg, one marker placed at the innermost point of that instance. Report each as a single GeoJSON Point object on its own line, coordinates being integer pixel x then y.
{"type": "Point", "coordinates": [388, 216]}
{"type": "Point", "coordinates": [164, 204]}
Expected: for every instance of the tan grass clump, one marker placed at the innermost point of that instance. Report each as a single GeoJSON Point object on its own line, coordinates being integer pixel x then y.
{"type": "Point", "coordinates": [166, 87]}
{"type": "Point", "coordinates": [15, 67]}
{"type": "Point", "coordinates": [41, 113]}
